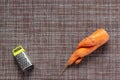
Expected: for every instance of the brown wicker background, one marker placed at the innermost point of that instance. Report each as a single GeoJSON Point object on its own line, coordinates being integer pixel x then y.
{"type": "Point", "coordinates": [50, 30]}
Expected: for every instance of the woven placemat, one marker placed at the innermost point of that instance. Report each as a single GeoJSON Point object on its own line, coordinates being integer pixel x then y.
{"type": "Point", "coordinates": [50, 30]}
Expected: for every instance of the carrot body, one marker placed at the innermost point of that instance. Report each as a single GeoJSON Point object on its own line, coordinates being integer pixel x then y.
{"type": "Point", "coordinates": [88, 45]}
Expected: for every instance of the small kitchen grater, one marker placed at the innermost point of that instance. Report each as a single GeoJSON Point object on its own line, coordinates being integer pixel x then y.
{"type": "Point", "coordinates": [22, 59]}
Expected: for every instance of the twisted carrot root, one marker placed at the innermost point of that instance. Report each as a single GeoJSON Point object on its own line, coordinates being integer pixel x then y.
{"type": "Point", "coordinates": [88, 45]}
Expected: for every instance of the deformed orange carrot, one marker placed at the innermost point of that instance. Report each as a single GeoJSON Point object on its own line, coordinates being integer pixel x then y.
{"type": "Point", "coordinates": [88, 45]}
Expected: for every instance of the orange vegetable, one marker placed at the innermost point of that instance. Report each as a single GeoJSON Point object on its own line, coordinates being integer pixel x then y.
{"type": "Point", "coordinates": [88, 45]}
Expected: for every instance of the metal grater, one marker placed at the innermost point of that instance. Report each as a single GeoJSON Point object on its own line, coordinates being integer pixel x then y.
{"type": "Point", "coordinates": [21, 58]}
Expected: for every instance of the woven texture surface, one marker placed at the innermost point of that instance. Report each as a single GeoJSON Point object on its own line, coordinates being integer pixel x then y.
{"type": "Point", "coordinates": [50, 30]}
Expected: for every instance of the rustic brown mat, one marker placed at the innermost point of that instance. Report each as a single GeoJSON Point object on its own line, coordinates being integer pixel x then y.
{"type": "Point", "coordinates": [50, 30]}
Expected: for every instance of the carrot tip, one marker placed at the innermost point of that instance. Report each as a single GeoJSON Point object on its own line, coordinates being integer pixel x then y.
{"type": "Point", "coordinates": [64, 69]}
